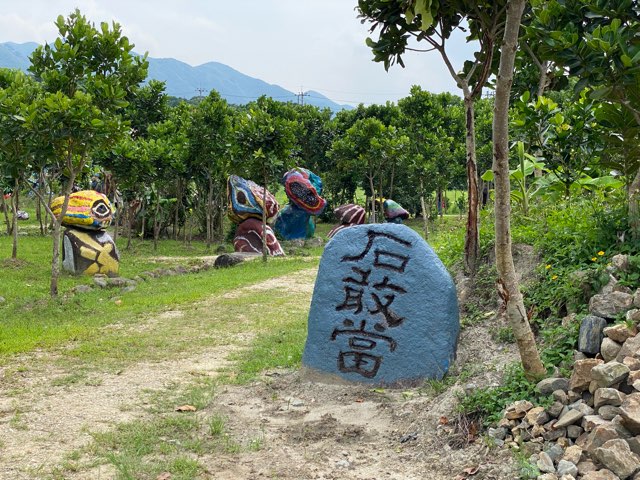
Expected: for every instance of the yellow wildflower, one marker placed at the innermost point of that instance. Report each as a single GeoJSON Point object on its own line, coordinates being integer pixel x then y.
{"type": "Point", "coordinates": [593, 259]}
{"type": "Point", "coordinates": [601, 253]}
{"type": "Point", "coordinates": [555, 277]}
{"type": "Point", "coordinates": [547, 266]}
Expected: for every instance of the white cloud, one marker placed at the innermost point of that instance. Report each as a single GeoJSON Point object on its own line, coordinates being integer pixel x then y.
{"type": "Point", "coordinates": [309, 44]}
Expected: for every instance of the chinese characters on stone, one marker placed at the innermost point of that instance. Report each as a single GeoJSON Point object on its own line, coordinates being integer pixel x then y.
{"type": "Point", "coordinates": [369, 293]}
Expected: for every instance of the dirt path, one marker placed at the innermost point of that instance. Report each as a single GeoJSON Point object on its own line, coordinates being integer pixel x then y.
{"type": "Point", "coordinates": [305, 430]}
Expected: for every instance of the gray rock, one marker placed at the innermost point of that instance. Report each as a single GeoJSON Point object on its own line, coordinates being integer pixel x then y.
{"type": "Point", "coordinates": [545, 464]}
{"type": "Point", "coordinates": [314, 242]}
{"type": "Point", "coordinates": [547, 476]}
{"type": "Point", "coordinates": [633, 315]}
{"type": "Point", "coordinates": [608, 412]}
{"type": "Point", "coordinates": [569, 418]}
{"type": "Point", "coordinates": [630, 413]}
{"type": "Point", "coordinates": [567, 468]}
{"type": "Point", "coordinates": [618, 457]}
{"type": "Point", "coordinates": [560, 396]}
{"type": "Point", "coordinates": [591, 334]}
{"type": "Point", "coordinates": [100, 282]}
{"type": "Point", "coordinates": [555, 409]}
{"type": "Point", "coordinates": [611, 304]}
{"type": "Point", "coordinates": [79, 289]}
{"type": "Point", "coordinates": [2, 300]}
{"type": "Point", "coordinates": [549, 385]}
{"type": "Point", "coordinates": [574, 431]}
{"type": "Point", "coordinates": [581, 375]}
{"type": "Point", "coordinates": [634, 444]}
{"type": "Point", "coordinates": [609, 349]}
{"type": "Point", "coordinates": [499, 433]}
{"type": "Point", "coordinates": [620, 262]}
{"type": "Point", "coordinates": [554, 451]}
{"type": "Point", "coordinates": [620, 332]}
{"type": "Point", "coordinates": [636, 298]}
{"type": "Point", "coordinates": [609, 374]}
{"type": "Point", "coordinates": [128, 288]}
{"type": "Point", "coordinates": [573, 454]}
{"type": "Point", "coordinates": [608, 396]}
{"type": "Point", "coordinates": [555, 434]}
{"type": "Point", "coordinates": [602, 434]}
{"type": "Point", "coordinates": [116, 282]}
{"type": "Point", "coordinates": [228, 260]}
{"type": "Point", "coordinates": [586, 466]}
{"type": "Point", "coordinates": [603, 474]}
{"type": "Point", "coordinates": [583, 407]}
{"type": "Point", "coordinates": [629, 348]}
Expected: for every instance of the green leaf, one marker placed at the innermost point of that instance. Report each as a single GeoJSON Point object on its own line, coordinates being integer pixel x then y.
{"type": "Point", "coordinates": [487, 176]}
{"type": "Point", "coordinates": [96, 122]}
{"type": "Point", "coordinates": [423, 8]}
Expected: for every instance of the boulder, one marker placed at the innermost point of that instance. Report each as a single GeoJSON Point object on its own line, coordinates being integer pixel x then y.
{"type": "Point", "coordinates": [227, 260]}
{"type": "Point", "coordinates": [609, 349]}
{"type": "Point", "coordinates": [608, 374]}
{"type": "Point", "coordinates": [616, 456]}
{"type": "Point", "coordinates": [384, 309]}
{"type": "Point", "coordinates": [608, 396]}
{"type": "Point", "coordinates": [621, 332]}
{"type": "Point", "coordinates": [630, 413]}
{"type": "Point", "coordinates": [581, 375]}
{"type": "Point", "coordinates": [609, 305]}
{"type": "Point", "coordinates": [629, 348]}
{"type": "Point", "coordinates": [549, 385]}
{"type": "Point", "coordinates": [591, 334]}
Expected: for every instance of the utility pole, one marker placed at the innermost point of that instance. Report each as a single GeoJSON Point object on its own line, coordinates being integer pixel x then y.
{"type": "Point", "coordinates": [200, 91]}
{"type": "Point", "coordinates": [301, 96]}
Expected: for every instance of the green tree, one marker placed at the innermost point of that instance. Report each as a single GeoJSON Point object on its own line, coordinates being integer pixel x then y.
{"type": "Point", "coordinates": [210, 139]}
{"type": "Point", "coordinates": [599, 42]}
{"type": "Point", "coordinates": [508, 287]}
{"type": "Point", "coordinates": [433, 122]}
{"type": "Point", "coordinates": [264, 143]}
{"type": "Point", "coordinates": [17, 93]}
{"type": "Point", "coordinates": [399, 21]}
{"type": "Point", "coordinates": [86, 76]}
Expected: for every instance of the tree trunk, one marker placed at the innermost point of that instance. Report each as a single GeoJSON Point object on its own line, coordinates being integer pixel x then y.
{"type": "Point", "coordinates": [5, 211]}
{"type": "Point", "coordinates": [143, 212]}
{"type": "Point", "coordinates": [176, 217]}
{"type": "Point", "coordinates": [39, 207]}
{"type": "Point", "coordinates": [156, 225]}
{"type": "Point", "coordinates": [129, 223]}
{"type": "Point", "coordinates": [508, 287]}
{"type": "Point", "coordinates": [209, 215]}
{"type": "Point", "coordinates": [634, 207]}
{"type": "Point", "coordinates": [472, 236]}
{"type": "Point", "coordinates": [373, 200]}
{"type": "Point", "coordinates": [220, 225]}
{"type": "Point", "coordinates": [14, 228]}
{"type": "Point", "coordinates": [425, 214]}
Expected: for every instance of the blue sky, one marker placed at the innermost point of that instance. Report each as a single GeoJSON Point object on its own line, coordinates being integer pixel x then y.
{"type": "Point", "coordinates": [297, 44]}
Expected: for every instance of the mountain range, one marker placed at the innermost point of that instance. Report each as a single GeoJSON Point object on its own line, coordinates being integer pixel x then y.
{"type": "Point", "coordinates": [184, 81]}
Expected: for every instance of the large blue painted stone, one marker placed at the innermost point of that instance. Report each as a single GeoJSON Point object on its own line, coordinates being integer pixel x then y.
{"type": "Point", "coordinates": [384, 309]}
{"type": "Point", "coordinates": [294, 223]}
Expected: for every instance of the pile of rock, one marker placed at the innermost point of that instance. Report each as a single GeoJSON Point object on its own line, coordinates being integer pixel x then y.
{"type": "Point", "coordinates": [591, 430]}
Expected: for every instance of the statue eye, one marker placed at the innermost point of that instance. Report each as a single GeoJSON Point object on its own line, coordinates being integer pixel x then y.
{"type": "Point", "coordinates": [100, 209]}
{"type": "Point", "coordinates": [241, 198]}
